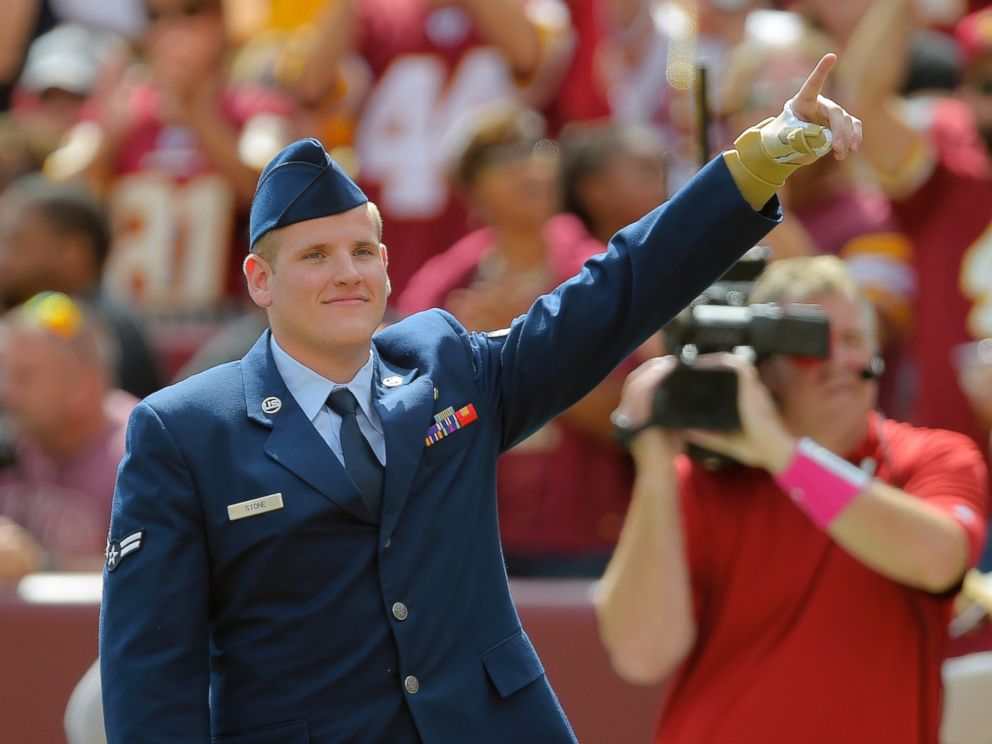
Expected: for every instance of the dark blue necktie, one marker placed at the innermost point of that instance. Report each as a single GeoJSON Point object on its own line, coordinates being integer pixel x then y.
{"type": "Point", "coordinates": [359, 460]}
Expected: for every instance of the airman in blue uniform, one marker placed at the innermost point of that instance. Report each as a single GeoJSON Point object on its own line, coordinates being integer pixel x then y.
{"type": "Point", "coordinates": [304, 544]}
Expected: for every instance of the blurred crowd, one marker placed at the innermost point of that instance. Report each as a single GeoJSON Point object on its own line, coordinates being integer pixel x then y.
{"type": "Point", "coordinates": [505, 142]}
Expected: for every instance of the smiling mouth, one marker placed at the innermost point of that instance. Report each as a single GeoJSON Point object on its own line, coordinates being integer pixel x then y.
{"type": "Point", "coordinates": [346, 301]}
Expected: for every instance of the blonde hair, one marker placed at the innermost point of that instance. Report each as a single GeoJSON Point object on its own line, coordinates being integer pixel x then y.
{"type": "Point", "coordinates": [800, 279]}
{"type": "Point", "coordinates": [265, 246]}
{"type": "Point", "coordinates": [797, 279]}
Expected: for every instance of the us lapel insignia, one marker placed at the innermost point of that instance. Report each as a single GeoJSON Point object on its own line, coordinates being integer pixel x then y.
{"type": "Point", "coordinates": [271, 404]}
{"type": "Point", "coordinates": [449, 421]}
{"type": "Point", "coordinates": [392, 381]}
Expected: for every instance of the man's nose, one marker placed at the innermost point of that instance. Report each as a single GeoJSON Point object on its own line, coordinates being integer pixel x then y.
{"type": "Point", "coordinates": [346, 272]}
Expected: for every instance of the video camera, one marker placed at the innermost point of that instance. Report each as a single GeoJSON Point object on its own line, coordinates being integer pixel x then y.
{"type": "Point", "coordinates": [721, 320]}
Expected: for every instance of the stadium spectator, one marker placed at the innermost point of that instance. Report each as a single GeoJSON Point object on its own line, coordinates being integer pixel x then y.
{"type": "Point", "coordinates": [428, 64]}
{"type": "Point", "coordinates": [650, 58]}
{"type": "Point", "coordinates": [56, 237]}
{"type": "Point", "coordinates": [285, 44]}
{"type": "Point", "coordinates": [23, 21]}
{"type": "Point", "coordinates": [840, 20]}
{"type": "Point", "coordinates": [804, 594]}
{"type": "Point", "coordinates": [611, 174]}
{"type": "Point", "coordinates": [936, 169]}
{"type": "Point", "coordinates": [66, 437]}
{"type": "Point", "coordinates": [62, 69]}
{"type": "Point", "coordinates": [27, 20]}
{"type": "Point", "coordinates": [177, 150]}
{"type": "Point", "coordinates": [561, 492]}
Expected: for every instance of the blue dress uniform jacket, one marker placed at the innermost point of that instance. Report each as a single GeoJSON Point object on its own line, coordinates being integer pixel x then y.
{"type": "Point", "coordinates": [316, 622]}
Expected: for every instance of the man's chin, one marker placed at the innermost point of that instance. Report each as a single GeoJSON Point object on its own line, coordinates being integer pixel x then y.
{"type": "Point", "coordinates": [349, 338]}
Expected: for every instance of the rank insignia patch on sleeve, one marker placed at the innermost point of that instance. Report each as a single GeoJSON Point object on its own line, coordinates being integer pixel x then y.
{"type": "Point", "coordinates": [118, 550]}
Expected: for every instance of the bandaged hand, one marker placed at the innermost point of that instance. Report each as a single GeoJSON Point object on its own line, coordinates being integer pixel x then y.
{"type": "Point", "coordinates": [789, 139]}
{"type": "Point", "coordinates": [810, 126]}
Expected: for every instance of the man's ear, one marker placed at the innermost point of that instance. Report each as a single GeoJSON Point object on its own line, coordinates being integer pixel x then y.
{"type": "Point", "coordinates": [258, 273]}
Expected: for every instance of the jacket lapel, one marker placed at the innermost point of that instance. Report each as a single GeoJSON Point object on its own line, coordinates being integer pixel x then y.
{"type": "Point", "coordinates": [294, 443]}
{"type": "Point", "coordinates": [405, 404]}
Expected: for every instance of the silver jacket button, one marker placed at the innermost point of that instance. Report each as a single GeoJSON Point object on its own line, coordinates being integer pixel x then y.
{"type": "Point", "coordinates": [400, 611]}
{"type": "Point", "coordinates": [412, 684]}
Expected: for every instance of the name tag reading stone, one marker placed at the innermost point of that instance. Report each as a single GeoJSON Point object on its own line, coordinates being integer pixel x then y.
{"type": "Point", "coordinates": [255, 506]}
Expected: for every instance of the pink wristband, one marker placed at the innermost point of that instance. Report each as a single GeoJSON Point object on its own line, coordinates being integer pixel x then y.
{"type": "Point", "coordinates": [821, 483]}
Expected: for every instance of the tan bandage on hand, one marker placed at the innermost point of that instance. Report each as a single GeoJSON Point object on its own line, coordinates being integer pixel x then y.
{"type": "Point", "coordinates": [765, 155]}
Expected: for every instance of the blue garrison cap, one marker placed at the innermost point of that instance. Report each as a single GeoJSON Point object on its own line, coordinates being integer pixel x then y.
{"type": "Point", "coordinates": [301, 183]}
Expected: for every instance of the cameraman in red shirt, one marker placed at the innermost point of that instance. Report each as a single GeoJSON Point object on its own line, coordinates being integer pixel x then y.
{"type": "Point", "coordinates": [803, 595]}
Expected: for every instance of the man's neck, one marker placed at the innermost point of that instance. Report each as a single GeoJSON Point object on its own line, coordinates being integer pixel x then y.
{"type": "Point", "coordinates": [340, 367]}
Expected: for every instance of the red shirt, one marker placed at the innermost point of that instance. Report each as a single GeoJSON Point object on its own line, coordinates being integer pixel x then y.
{"type": "Point", "coordinates": [561, 492]}
{"type": "Point", "coordinates": [429, 68]}
{"type": "Point", "coordinates": [949, 220]}
{"type": "Point", "coordinates": [179, 236]}
{"type": "Point", "coordinates": [797, 640]}
{"type": "Point", "coordinates": [583, 92]}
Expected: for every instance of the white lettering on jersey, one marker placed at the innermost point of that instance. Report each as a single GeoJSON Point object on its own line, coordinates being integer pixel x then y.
{"type": "Point", "coordinates": [401, 134]}
{"type": "Point", "coordinates": [171, 240]}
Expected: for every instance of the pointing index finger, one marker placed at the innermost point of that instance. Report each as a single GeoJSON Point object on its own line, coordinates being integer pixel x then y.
{"type": "Point", "coordinates": [813, 85]}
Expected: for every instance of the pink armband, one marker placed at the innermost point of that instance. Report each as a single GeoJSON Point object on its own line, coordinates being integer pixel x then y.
{"type": "Point", "coordinates": [821, 483]}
